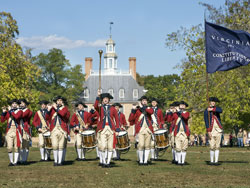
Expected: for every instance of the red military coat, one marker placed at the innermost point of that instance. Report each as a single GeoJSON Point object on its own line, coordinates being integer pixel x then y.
{"type": "Point", "coordinates": [112, 117]}
{"type": "Point", "coordinates": [135, 115]}
{"type": "Point", "coordinates": [122, 120]}
{"type": "Point", "coordinates": [85, 117]}
{"type": "Point", "coordinates": [169, 117]}
{"type": "Point", "coordinates": [63, 117]}
{"type": "Point", "coordinates": [159, 117]}
{"type": "Point", "coordinates": [27, 114]}
{"type": "Point", "coordinates": [94, 117]}
{"type": "Point", "coordinates": [37, 121]}
{"type": "Point", "coordinates": [184, 118]}
{"type": "Point", "coordinates": [17, 115]}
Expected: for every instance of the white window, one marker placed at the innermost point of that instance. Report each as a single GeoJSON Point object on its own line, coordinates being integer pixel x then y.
{"type": "Point", "coordinates": [111, 92]}
{"type": "Point", "coordinates": [105, 64]}
{"type": "Point", "coordinates": [121, 93]}
{"type": "Point", "coordinates": [86, 93]}
{"type": "Point", "coordinates": [110, 63]}
{"type": "Point", "coordinates": [135, 93]}
{"type": "Point", "coordinates": [110, 48]}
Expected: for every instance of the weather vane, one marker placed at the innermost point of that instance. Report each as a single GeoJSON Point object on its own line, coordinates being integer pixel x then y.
{"type": "Point", "coordinates": [110, 28]}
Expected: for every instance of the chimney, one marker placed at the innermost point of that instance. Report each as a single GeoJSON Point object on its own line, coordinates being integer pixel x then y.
{"type": "Point", "coordinates": [132, 66]}
{"type": "Point", "coordinates": [88, 66]}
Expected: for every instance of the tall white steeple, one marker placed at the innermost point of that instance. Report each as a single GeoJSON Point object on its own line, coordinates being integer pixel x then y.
{"type": "Point", "coordinates": [110, 57]}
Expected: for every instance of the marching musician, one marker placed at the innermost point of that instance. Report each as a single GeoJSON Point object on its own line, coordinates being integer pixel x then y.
{"type": "Point", "coordinates": [13, 116]}
{"type": "Point", "coordinates": [214, 129]}
{"type": "Point", "coordinates": [123, 125]}
{"type": "Point", "coordinates": [93, 124]}
{"type": "Point", "coordinates": [141, 115]}
{"type": "Point", "coordinates": [169, 118]}
{"type": "Point", "coordinates": [58, 116]}
{"type": "Point", "coordinates": [181, 132]}
{"type": "Point", "coordinates": [107, 126]}
{"type": "Point", "coordinates": [42, 126]}
{"type": "Point", "coordinates": [26, 130]}
{"type": "Point", "coordinates": [79, 122]}
{"type": "Point", "coordinates": [157, 123]}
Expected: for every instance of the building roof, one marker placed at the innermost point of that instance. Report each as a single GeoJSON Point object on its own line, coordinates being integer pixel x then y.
{"type": "Point", "coordinates": [115, 82]}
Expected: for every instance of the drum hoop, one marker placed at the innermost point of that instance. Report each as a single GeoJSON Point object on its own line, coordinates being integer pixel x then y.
{"type": "Point", "coordinates": [124, 148]}
{"type": "Point", "coordinates": [125, 133]}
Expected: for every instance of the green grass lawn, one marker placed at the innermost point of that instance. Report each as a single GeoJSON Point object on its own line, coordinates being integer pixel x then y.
{"type": "Point", "coordinates": [234, 171]}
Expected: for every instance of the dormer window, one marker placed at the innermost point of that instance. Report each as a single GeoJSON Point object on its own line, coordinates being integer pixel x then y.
{"type": "Point", "coordinates": [121, 93]}
{"type": "Point", "coordinates": [86, 93]}
{"type": "Point", "coordinates": [111, 92]}
{"type": "Point", "coordinates": [135, 93]}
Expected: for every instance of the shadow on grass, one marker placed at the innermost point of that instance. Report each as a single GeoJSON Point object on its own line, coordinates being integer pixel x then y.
{"type": "Point", "coordinates": [229, 162]}
{"type": "Point", "coordinates": [68, 163]}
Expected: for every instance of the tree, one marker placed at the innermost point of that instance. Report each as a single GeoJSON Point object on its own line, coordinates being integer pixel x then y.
{"type": "Point", "coordinates": [232, 87]}
{"type": "Point", "coordinates": [162, 87]}
{"type": "Point", "coordinates": [58, 77]}
{"type": "Point", "coordinates": [17, 74]}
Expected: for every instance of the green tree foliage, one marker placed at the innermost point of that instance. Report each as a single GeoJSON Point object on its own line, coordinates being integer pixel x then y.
{"type": "Point", "coordinates": [231, 87]}
{"type": "Point", "coordinates": [58, 77]}
{"type": "Point", "coordinates": [17, 73]}
{"type": "Point", "coordinates": [161, 87]}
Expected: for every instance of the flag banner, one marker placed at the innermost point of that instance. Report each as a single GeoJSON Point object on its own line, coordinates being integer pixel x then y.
{"type": "Point", "coordinates": [226, 49]}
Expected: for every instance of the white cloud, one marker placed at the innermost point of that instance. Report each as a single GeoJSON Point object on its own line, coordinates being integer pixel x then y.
{"type": "Point", "coordinates": [54, 41]}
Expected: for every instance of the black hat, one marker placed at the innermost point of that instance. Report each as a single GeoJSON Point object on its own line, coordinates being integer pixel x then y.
{"type": "Point", "coordinates": [172, 104]}
{"type": "Point", "coordinates": [43, 102]}
{"type": "Point", "coordinates": [156, 100]}
{"type": "Point", "coordinates": [60, 97]}
{"type": "Point", "coordinates": [183, 102]}
{"type": "Point", "coordinates": [82, 103]}
{"type": "Point", "coordinates": [142, 98]}
{"type": "Point", "coordinates": [104, 95]}
{"type": "Point", "coordinates": [214, 99]}
{"type": "Point", "coordinates": [176, 103]}
{"type": "Point", "coordinates": [117, 104]}
{"type": "Point", "coordinates": [13, 100]}
{"type": "Point", "coordinates": [23, 100]}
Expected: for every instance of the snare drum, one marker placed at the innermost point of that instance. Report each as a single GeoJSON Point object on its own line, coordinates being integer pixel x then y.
{"type": "Point", "coordinates": [47, 140]}
{"type": "Point", "coordinates": [88, 139]}
{"type": "Point", "coordinates": [161, 139]}
{"type": "Point", "coordinates": [123, 141]}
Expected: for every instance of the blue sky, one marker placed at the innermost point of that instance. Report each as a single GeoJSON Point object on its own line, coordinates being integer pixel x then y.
{"type": "Point", "coordinates": [81, 27]}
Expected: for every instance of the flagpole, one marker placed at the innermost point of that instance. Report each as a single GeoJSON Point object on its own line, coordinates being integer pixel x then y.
{"type": "Point", "coordinates": [100, 76]}
{"type": "Point", "coordinates": [206, 69]}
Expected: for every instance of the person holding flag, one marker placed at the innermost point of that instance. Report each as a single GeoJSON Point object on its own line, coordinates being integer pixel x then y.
{"type": "Point", "coordinates": [214, 129]}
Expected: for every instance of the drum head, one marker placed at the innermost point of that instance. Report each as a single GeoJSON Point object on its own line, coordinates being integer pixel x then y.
{"type": "Point", "coordinates": [88, 132]}
{"type": "Point", "coordinates": [122, 133]}
{"type": "Point", "coordinates": [160, 131]}
{"type": "Point", "coordinates": [46, 134]}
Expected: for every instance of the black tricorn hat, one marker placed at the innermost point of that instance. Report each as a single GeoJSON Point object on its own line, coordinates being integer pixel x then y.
{"type": "Point", "coordinates": [176, 103]}
{"type": "Point", "coordinates": [104, 95]}
{"type": "Point", "coordinates": [183, 102]}
{"type": "Point", "coordinates": [12, 101]}
{"type": "Point", "coordinates": [156, 100]}
{"type": "Point", "coordinates": [172, 104]}
{"type": "Point", "coordinates": [60, 97]}
{"type": "Point", "coordinates": [214, 99]}
{"type": "Point", "coordinates": [23, 100]}
{"type": "Point", "coordinates": [142, 98]}
{"type": "Point", "coordinates": [43, 102]}
{"type": "Point", "coordinates": [117, 104]}
{"type": "Point", "coordinates": [82, 103]}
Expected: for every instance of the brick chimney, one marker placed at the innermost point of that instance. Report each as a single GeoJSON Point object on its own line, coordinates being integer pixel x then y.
{"type": "Point", "coordinates": [132, 66]}
{"type": "Point", "coordinates": [88, 66]}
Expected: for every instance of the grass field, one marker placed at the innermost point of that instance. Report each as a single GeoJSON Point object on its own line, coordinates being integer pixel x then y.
{"type": "Point", "coordinates": [234, 171]}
